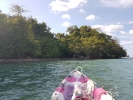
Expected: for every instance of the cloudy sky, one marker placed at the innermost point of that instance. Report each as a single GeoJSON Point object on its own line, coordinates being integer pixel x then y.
{"type": "Point", "coordinates": [114, 17]}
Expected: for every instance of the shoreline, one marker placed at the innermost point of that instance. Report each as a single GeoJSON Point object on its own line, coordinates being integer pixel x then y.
{"type": "Point", "coordinates": [49, 59]}
{"type": "Point", "coordinates": [39, 59]}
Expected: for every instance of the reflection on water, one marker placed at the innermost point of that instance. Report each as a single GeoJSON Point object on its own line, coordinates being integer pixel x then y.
{"type": "Point", "coordinates": [37, 80]}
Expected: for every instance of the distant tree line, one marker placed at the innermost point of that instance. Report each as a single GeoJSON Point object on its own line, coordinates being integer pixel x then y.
{"type": "Point", "coordinates": [22, 37]}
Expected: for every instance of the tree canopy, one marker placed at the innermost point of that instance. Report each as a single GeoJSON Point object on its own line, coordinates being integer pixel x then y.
{"type": "Point", "coordinates": [90, 43]}
{"type": "Point", "coordinates": [22, 37]}
{"type": "Point", "coordinates": [17, 9]}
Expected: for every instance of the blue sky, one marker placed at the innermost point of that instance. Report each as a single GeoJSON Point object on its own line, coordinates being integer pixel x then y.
{"type": "Point", "coordinates": [114, 17]}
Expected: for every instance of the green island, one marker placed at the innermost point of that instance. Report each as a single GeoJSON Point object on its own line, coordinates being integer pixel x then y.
{"type": "Point", "coordinates": [22, 38]}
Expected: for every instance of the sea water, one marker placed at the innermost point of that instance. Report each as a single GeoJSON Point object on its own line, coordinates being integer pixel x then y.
{"type": "Point", "coordinates": [38, 80]}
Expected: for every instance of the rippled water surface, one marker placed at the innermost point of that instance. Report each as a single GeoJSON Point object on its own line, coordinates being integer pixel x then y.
{"type": "Point", "coordinates": [37, 80]}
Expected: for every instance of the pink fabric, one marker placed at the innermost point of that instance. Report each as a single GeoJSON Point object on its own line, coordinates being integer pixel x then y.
{"type": "Point", "coordinates": [69, 84]}
{"type": "Point", "coordinates": [97, 92]}
{"type": "Point", "coordinates": [70, 79]}
{"type": "Point", "coordinates": [59, 89]}
{"type": "Point", "coordinates": [83, 79]}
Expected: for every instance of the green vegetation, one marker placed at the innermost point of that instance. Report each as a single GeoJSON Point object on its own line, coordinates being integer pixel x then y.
{"type": "Point", "coordinates": [22, 37]}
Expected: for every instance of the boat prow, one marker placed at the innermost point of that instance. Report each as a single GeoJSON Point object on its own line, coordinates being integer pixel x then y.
{"type": "Point", "coordinates": [77, 86]}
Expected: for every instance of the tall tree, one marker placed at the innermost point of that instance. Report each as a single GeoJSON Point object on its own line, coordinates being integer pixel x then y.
{"type": "Point", "coordinates": [0, 11]}
{"type": "Point", "coordinates": [17, 10]}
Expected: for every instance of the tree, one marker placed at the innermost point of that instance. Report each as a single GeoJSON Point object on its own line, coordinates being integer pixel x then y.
{"type": "Point", "coordinates": [49, 48]}
{"type": "Point", "coordinates": [0, 11]}
{"type": "Point", "coordinates": [39, 29]}
{"type": "Point", "coordinates": [71, 29]}
{"type": "Point", "coordinates": [17, 10]}
{"type": "Point", "coordinates": [91, 43]}
{"type": "Point", "coordinates": [22, 37]}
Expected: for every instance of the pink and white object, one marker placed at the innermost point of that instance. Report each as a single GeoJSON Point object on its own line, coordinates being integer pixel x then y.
{"type": "Point", "coordinates": [77, 85]}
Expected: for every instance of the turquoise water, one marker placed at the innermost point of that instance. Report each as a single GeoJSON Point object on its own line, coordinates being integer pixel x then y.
{"type": "Point", "coordinates": [37, 80]}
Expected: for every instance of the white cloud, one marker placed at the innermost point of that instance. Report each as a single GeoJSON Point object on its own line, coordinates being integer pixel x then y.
{"type": "Point", "coordinates": [117, 3]}
{"type": "Point", "coordinates": [60, 5]}
{"type": "Point", "coordinates": [81, 5]}
{"type": "Point", "coordinates": [65, 24]}
{"type": "Point", "coordinates": [66, 16]}
{"type": "Point", "coordinates": [109, 28]}
{"type": "Point", "coordinates": [127, 37]}
{"type": "Point", "coordinates": [126, 42]}
{"type": "Point", "coordinates": [131, 32]}
{"type": "Point", "coordinates": [123, 32]}
{"type": "Point", "coordinates": [81, 11]}
{"type": "Point", "coordinates": [92, 17]}
{"type": "Point", "coordinates": [131, 22]}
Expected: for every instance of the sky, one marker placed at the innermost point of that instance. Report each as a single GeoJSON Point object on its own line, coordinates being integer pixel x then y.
{"type": "Point", "coordinates": [113, 17]}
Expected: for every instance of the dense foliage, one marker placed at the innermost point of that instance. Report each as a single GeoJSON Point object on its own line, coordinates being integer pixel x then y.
{"type": "Point", "coordinates": [90, 43]}
{"type": "Point", "coordinates": [22, 37]}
